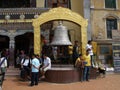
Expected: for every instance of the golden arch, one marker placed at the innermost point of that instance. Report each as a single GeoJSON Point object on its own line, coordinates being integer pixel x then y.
{"type": "Point", "coordinates": [59, 14]}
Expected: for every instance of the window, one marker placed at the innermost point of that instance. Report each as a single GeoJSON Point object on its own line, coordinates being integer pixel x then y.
{"type": "Point", "coordinates": [104, 50]}
{"type": "Point", "coordinates": [110, 3]}
{"type": "Point", "coordinates": [57, 3]}
{"type": "Point", "coordinates": [17, 3]}
{"type": "Point", "coordinates": [111, 24]}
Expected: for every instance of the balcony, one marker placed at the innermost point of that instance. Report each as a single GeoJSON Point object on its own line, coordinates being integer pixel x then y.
{"type": "Point", "coordinates": [17, 13]}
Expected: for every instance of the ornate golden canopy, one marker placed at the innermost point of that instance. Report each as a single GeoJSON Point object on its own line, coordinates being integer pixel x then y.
{"type": "Point", "coordinates": [59, 13]}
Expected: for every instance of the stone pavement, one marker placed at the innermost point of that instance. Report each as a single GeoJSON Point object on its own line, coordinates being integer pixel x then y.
{"type": "Point", "coordinates": [110, 82]}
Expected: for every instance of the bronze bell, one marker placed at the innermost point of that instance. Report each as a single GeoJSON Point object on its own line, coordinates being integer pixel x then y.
{"type": "Point", "coordinates": [61, 36]}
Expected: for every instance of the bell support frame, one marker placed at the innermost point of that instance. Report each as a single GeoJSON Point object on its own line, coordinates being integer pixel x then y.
{"type": "Point", "coordinates": [59, 13]}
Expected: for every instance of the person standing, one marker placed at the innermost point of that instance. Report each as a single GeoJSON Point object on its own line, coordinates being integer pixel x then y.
{"type": "Point", "coordinates": [40, 60]}
{"type": "Point", "coordinates": [35, 65]}
{"type": "Point", "coordinates": [3, 64]}
{"type": "Point", "coordinates": [54, 52]}
{"type": "Point", "coordinates": [87, 66]}
{"type": "Point", "coordinates": [26, 65]}
{"type": "Point", "coordinates": [90, 48]}
{"type": "Point", "coordinates": [21, 56]}
{"type": "Point", "coordinates": [76, 52]}
{"type": "Point", "coordinates": [70, 52]}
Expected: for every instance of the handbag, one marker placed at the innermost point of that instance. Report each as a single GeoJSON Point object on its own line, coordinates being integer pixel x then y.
{"type": "Point", "coordinates": [2, 62]}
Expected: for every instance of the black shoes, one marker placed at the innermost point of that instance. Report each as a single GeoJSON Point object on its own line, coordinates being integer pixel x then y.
{"type": "Point", "coordinates": [87, 80]}
{"type": "Point", "coordinates": [33, 84]}
{"type": "Point", "coordinates": [36, 84]}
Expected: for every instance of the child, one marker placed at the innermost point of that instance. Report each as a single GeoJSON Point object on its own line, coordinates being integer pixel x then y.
{"type": "Point", "coordinates": [80, 65]}
{"type": "Point", "coordinates": [79, 62]}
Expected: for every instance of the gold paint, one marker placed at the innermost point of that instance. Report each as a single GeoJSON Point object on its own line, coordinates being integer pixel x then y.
{"type": "Point", "coordinates": [15, 21]}
{"type": "Point", "coordinates": [83, 39]}
{"type": "Point", "coordinates": [59, 13]}
{"type": "Point", "coordinates": [94, 44]}
{"type": "Point", "coordinates": [37, 40]}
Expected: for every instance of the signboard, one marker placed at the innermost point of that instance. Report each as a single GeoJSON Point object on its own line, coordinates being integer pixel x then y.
{"type": "Point", "coordinates": [116, 35]}
{"type": "Point", "coordinates": [116, 57]}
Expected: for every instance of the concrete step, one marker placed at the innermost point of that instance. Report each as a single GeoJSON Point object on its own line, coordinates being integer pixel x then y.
{"type": "Point", "coordinates": [12, 71]}
{"type": "Point", "coordinates": [12, 74]}
{"type": "Point", "coordinates": [62, 65]}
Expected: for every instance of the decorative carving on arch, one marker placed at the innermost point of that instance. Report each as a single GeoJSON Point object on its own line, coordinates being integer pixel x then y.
{"type": "Point", "coordinates": [112, 16]}
{"type": "Point", "coordinates": [59, 13]}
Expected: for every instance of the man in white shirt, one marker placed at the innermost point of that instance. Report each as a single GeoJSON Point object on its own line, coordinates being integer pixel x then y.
{"type": "Point", "coordinates": [3, 62]}
{"type": "Point", "coordinates": [26, 61]}
{"type": "Point", "coordinates": [46, 64]}
{"type": "Point", "coordinates": [25, 65]}
{"type": "Point", "coordinates": [90, 48]}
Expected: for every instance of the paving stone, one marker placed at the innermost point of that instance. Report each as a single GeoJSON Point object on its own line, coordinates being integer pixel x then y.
{"type": "Point", "coordinates": [110, 82]}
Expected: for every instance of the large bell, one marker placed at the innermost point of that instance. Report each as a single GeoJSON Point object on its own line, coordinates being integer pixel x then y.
{"type": "Point", "coordinates": [61, 36]}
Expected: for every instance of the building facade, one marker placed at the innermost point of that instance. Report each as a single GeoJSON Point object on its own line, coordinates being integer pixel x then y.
{"type": "Point", "coordinates": [16, 29]}
{"type": "Point", "coordinates": [105, 26]}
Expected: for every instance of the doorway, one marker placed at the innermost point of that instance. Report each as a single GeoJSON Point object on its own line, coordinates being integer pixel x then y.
{"type": "Point", "coordinates": [105, 54]}
{"type": "Point", "coordinates": [4, 42]}
{"type": "Point", "coordinates": [24, 42]}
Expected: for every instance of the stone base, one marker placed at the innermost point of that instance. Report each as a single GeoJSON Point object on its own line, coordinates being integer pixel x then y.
{"type": "Point", "coordinates": [66, 75]}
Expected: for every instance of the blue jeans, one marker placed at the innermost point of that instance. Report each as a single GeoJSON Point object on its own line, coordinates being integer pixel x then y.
{"type": "Point", "coordinates": [86, 73]}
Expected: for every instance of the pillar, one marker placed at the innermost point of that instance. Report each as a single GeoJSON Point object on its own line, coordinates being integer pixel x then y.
{"type": "Point", "coordinates": [87, 16]}
{"type": "Point", "coordinates": [12, 42]}
{"type": "Point", "coordinates": [37, 40]}
{"type": "Point", "coordinates": [11, 50]}
{"type": "Point", "coordinates": [83, 39]}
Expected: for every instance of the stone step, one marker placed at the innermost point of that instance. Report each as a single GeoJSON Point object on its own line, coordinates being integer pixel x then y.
{"type": "Point", "coordinates": [12, 74]}
{"type": "Point", "coordinates": [62, 65]}
{"type": "Point", "coordinates": [11, 71]}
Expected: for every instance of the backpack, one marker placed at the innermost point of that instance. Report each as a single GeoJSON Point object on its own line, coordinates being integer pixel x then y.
{"type": "Point", "coordinates": [29, 65]}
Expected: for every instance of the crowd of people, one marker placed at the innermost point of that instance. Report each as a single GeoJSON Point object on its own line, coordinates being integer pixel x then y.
{"type": "Point", "coordinates": [34, 67]}
{"type": "Point", "coordinates": [84, 63]}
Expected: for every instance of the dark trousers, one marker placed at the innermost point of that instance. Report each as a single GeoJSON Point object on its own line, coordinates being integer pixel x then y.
{"type": "Point", "coordinates": [92, 63]}
{"type": "Point", "coordinates": [82, 73]}
{"type": "Point", "coordinates": [3, 70]}
{"type": "Point", "coordinates": [74, 59]}
{"type": "Point", "coordinates": [27, 70]}
{"type": "Point", "coordinates": [34, 78]}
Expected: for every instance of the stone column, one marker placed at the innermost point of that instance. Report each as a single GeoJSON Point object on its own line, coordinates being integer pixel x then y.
{"type": "Point", "coordinates": [12, 42]}
{"type": "Point", "coordinates": [12, 34]}
{"type": "Point", "coordinates": [11, 49]}
{"type": "Point", "coordinates": [87, 16]}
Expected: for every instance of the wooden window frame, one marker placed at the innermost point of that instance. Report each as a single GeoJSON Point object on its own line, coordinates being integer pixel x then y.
{"type": "Point", "coordinates": [111, 24]}
{"type": "Point", "coordinates": [110, 3]}
{"type": "Point", "coordinates": [57, 3]}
